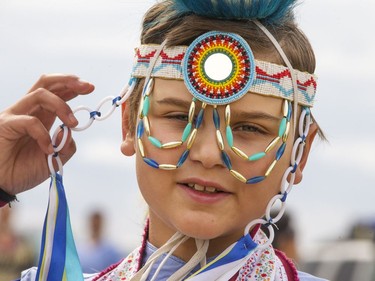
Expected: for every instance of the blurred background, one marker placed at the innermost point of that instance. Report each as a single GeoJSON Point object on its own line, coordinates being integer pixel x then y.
{"type": "Point", "coordinates": [332, 212]}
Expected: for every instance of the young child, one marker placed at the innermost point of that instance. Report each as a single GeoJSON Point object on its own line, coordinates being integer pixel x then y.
{"type": "Point", "coordinates": [219, 119]}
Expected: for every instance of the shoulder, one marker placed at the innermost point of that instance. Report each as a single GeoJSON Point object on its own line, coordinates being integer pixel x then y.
{"type": "Point", "coordinates": [303, 276]}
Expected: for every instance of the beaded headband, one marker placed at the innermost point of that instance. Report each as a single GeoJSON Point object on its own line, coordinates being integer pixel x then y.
{"type": "Point", "coordinates": [263, 78]}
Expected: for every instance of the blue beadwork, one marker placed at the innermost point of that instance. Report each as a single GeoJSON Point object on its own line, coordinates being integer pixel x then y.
{"type": "Point", "coordinates": [280, 151]}
{"type": "Point", "coordinates": [294, 168]}
{"type": "Point", "coordinates": [183, 158]}
{"type": "Point", "coordinates": [216, 119]}
{"type": "Point", "coordinates": [255, 180]}
{"type": "Point", "coordinates": [95, 113]}
{"type": "Point", "coordinates": [151, 162]}
{"type": "Point", "coordinates": [140, 129]}
{"type": "Point", "coordinates": [199, 119]}
{"type": "Point", "coordinates": [145, 87]}
{"type": "Point", "coordinates": [285, 195]}
{"type": "Point", "coordinates": [290, 110]}
{"type": "Point", "coordinates": [115, 100]}
{"type": "Point", "coordinates": [226, 160]}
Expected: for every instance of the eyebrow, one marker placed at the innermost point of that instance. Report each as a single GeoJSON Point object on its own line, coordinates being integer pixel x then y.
{"type": "Point", "coordinates": [174, 101]}
{"type": "Point", "coordinates": [240, 114]}
{"type": "Point", "coordinates": [245, 115]}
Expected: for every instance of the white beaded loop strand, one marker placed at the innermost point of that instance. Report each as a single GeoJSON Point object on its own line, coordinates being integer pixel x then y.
{"type": "Point", "coordinates": [57, 149]}
{"type": "Point", "coordinates": [109, 113]}
{"type": "Point", "coordinates": [273, 201]}
{"type": "Point", "coordinates": [125, 93]}
{"type": "Point", "coordinates": [93, 115]}
{"type": "Point", "coordinates": [270, 229]}
{"type": "Point", "coordinates": [286, 186]}
{"type": "Point", "coordinates": [89, 121]}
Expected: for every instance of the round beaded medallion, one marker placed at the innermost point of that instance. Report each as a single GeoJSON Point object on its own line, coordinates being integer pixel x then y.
{"type": "Point", "coordinates": [219, 67]}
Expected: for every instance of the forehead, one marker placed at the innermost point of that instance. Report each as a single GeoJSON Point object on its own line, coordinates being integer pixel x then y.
{"type": "Point", "coordinates": [176, 89]}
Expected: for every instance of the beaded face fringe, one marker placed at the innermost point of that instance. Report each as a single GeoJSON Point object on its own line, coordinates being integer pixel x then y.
{"type": "Point", "coordinates": [189, 134]}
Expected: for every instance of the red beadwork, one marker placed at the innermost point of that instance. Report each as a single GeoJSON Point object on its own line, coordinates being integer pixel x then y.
{"type": "Point", "coordinates": [231, 85]}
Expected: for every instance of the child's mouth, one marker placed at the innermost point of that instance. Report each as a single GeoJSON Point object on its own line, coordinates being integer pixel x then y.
{"type": "Point", "coordinates": [201, 188]}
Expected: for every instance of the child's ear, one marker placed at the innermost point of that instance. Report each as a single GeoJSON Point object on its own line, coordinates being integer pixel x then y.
{"type": "Point", "coordinates": [128, 144]}
{"type": "Point", "coordinates": [308, 143]}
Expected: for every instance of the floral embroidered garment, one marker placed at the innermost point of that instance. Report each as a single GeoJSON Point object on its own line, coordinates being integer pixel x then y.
{"type": "Point", "coordinates": [261, 265]}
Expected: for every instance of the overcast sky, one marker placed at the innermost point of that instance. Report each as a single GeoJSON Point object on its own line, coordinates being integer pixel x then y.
{"type": "Point", "coordinates": [95, 40]}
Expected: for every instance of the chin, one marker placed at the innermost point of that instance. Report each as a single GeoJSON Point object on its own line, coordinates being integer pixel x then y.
{"type": "Point", "coordinates": [204, 234]}
{"type": "Point", "coordinates": [200, 229]}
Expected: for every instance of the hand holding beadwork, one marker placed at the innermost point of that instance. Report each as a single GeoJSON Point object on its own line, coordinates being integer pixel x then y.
{"type": "Point", "coordinates": [24, 130]}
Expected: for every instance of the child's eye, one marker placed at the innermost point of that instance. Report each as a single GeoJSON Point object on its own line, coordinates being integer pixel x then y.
{"type": "Point", "coordinates": [179, 117]}
{"type": "Point", "coordinates": [249, 128]}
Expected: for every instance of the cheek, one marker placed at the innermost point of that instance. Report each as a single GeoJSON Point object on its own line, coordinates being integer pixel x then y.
{"type": "Point", "coordinates": [261, 193]}
{"type": "Point", "coordinates": [165, 130]}
{"type": "Point", "coordinates": [147, 178]}
{"type": "Point", "coordinates": [254, 201]}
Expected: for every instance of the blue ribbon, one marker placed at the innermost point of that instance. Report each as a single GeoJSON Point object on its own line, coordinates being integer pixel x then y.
{"type": "Point", "coordinates": [58, 260]}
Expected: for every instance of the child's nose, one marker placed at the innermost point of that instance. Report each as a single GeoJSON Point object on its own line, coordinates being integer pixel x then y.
{"type": "Point", "coordinates": [205, 148]}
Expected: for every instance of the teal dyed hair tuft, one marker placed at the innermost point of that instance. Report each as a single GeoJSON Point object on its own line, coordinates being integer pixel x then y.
{"type": "Point", "coordinates": [274, 12]}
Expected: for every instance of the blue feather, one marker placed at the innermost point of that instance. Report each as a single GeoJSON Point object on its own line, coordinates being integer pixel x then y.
{"type": "Point", "coordinates": [267, 11]}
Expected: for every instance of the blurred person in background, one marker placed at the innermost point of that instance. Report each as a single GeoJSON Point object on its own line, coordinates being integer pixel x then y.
{"type": "Point", "coordinates": [346, 259]}
{"type": "Point", "coordinates": [98, 252]}
{"type": "Point", "coordinates": [16, 253]}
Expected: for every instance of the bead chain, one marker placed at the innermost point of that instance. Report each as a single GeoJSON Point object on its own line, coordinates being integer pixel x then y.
{"type": "Point", "coordinates": [94, 115]}
{"type": "Point", "coordinates": [286, 186]}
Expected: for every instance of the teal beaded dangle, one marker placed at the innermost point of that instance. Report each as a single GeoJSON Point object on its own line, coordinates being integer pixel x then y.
{"type": "Point", "coordinates": [143, 128]}
{"type": "Point", "coordinates": [283, 133]}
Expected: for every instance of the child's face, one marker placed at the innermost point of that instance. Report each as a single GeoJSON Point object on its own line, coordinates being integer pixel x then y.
{"type": "Point", "coordinates": [171, 196]}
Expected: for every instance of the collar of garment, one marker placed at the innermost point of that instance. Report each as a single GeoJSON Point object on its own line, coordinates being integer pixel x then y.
{"type": "Point", "coordinates": [261, 265]}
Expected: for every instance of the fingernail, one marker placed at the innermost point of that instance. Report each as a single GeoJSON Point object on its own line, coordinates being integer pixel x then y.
{"type": "Point", "coordinates": [72, 118]}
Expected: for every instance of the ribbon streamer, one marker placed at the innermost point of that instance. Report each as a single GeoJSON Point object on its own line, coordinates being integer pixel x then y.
{"type": "Point", "coordinates": [228, 263]}
{"type": "Point", "coordinates": [58, 260]}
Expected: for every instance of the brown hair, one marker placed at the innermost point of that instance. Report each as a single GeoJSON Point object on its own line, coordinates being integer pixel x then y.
{"type": "Point", "coordinates": [160, 23]}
